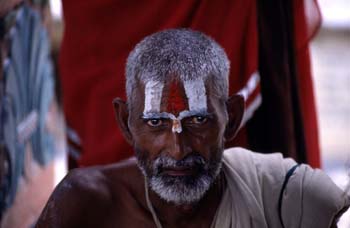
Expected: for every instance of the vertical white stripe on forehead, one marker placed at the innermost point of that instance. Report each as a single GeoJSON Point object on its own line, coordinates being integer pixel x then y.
{"type": "Point", "coordinates": [153, 96]}
{"type": "Point", "coordinates": [196, 95]}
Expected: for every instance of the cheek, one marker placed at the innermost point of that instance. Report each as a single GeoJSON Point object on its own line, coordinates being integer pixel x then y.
{"type": "Point", "coordinates": [210, 132]}
{"type": "Point", "coordinates": [204, 142]}
{"type": "Point", "coordinates": [152, 143]}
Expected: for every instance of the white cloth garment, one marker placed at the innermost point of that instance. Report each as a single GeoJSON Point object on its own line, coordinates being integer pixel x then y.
{"type": "Point", "coordinates": [254, 183]}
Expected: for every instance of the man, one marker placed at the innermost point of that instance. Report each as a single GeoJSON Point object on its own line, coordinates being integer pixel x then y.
{"type": "Point", "coordinates": [177, 118]}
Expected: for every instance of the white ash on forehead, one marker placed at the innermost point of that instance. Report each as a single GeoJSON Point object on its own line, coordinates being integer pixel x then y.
{"type": "Point", "coordinates": [183, 53]}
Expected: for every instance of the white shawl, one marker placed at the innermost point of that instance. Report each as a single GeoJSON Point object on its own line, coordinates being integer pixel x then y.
{"type": "Point", "coordinates": [254, 184]}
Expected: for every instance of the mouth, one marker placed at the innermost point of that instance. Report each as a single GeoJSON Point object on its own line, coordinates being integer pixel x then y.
{"type": "Point", "coordinates": [179, 171]}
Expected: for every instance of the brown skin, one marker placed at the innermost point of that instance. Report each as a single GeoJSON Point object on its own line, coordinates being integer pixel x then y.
{"type": "Point", "coordinates": [108, 195]}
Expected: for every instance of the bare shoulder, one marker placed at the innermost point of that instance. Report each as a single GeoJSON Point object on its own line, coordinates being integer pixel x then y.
{"type": "Point", "coordinates": [123, 173]}
{"type": "Point", "coordinates": [99, 182]}
{"type": "Point", "coordinates": [87, 195]}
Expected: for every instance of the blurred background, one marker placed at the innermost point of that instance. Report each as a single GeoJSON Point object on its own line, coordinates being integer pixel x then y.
{"type": "Point", "coordinates": [49, 146]}
{"type": "Point", "coordinates": [330, 52]}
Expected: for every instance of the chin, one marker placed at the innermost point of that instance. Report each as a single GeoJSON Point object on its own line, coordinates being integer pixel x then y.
{"type": "Point", "coordinates": [181, 190]}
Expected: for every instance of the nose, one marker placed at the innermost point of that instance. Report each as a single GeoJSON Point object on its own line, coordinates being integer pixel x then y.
{"type": "Point", "coordinates": [177, 147]}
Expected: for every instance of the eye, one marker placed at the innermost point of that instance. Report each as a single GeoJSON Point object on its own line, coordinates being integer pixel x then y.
{"type": "Point", "coordinates": [154, 122]}
{"type": "Point", "coordinates": [199, 119]}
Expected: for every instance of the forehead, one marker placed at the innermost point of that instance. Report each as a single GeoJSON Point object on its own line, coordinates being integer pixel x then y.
{"type": "Point", "coordinates": [175, 95]}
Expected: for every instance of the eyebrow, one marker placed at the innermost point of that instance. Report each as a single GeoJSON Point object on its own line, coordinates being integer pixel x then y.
{"type": "Point", "coordinates": [157, 115]}
{"type": "Point", "coordinates": [186, 113]}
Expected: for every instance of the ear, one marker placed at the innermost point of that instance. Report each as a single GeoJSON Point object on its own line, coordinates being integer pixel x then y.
{"type": "Point", "coordinates": [122, 115]}
{"type": "Point", "coordinates": [235, 111]}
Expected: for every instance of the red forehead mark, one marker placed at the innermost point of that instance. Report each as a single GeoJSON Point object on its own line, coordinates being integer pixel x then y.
{"type": "Point", "coordinates": [177, 100]}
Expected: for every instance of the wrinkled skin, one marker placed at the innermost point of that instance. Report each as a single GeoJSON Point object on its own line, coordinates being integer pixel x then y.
{"type": "Point", "coordinates": [114, 196]}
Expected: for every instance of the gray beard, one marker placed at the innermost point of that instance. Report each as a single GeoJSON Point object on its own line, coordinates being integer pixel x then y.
{"type": "Point", "coordinates": [181, 190]}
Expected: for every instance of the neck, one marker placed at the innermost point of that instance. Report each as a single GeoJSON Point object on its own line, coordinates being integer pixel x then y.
{"type": "Point", "coordinates": [202, 212]}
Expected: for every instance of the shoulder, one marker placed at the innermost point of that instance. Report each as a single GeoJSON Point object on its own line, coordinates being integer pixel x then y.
{"type": "Point", "coordinates": [89, 191]}
{"type": "Point", "coordinates": [262, 175]}
{"type": "Point", "coordinates": [247, 162]}
{"type": "Point", "coordinates": [73, 196]}
{"type": "Point", "coordinates": [100, 181]}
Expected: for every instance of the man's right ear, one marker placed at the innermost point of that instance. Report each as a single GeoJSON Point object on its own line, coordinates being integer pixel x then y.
{"type": "Point", "coordinates": [122, 115]}
{"type": "Point", "coordinates": [235, 110]}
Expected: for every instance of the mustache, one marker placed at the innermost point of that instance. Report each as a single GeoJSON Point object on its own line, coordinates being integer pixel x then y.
{"type": "Point", "coordinates": [190, 161]}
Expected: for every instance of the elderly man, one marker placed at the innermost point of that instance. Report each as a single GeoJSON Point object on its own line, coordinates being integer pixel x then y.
{"type": "Point", "coordinates": [177, 118]}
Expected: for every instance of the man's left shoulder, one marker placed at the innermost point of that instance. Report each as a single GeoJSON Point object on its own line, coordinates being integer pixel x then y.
{"type": "Point", "coordinates": [262, 174]}
{"type": "Point", "coordinates": [246, 161]}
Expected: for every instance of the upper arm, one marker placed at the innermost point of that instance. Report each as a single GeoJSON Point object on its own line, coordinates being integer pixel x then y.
{"type": "Point", "coordinates": [312, 198]}
{"type": "Point", "coordinates": [309, 197]}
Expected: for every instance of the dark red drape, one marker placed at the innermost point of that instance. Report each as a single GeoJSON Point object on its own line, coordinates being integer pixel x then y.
{"type": "Point", "coordinates": [287, 120]}
{"type": "Point", "coordinates": [99, 34]}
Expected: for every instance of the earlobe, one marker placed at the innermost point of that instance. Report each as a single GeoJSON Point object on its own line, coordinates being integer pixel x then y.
{"type": "Point", "coordinates": [122, 115]}
{"type": "Point", "coordinates": [235, 111]}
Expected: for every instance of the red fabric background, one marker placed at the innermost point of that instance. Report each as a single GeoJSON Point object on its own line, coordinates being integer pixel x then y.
{"type": "Point", "coordinates": [305, 28]}
{"type": "Point", "coordinates": [99, 34]}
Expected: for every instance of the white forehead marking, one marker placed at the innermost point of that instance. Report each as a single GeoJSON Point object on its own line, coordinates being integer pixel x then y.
{"type": "Point", "coordinates": [177, 127]}
{"type": "Point", "coordinates": [196, 95]}
{"type": "Point", "coordinates": [153, 96]}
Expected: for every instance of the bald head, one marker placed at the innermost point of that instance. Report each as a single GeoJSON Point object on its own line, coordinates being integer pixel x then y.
{"type": "Point", "coordinates": [185, 54]}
